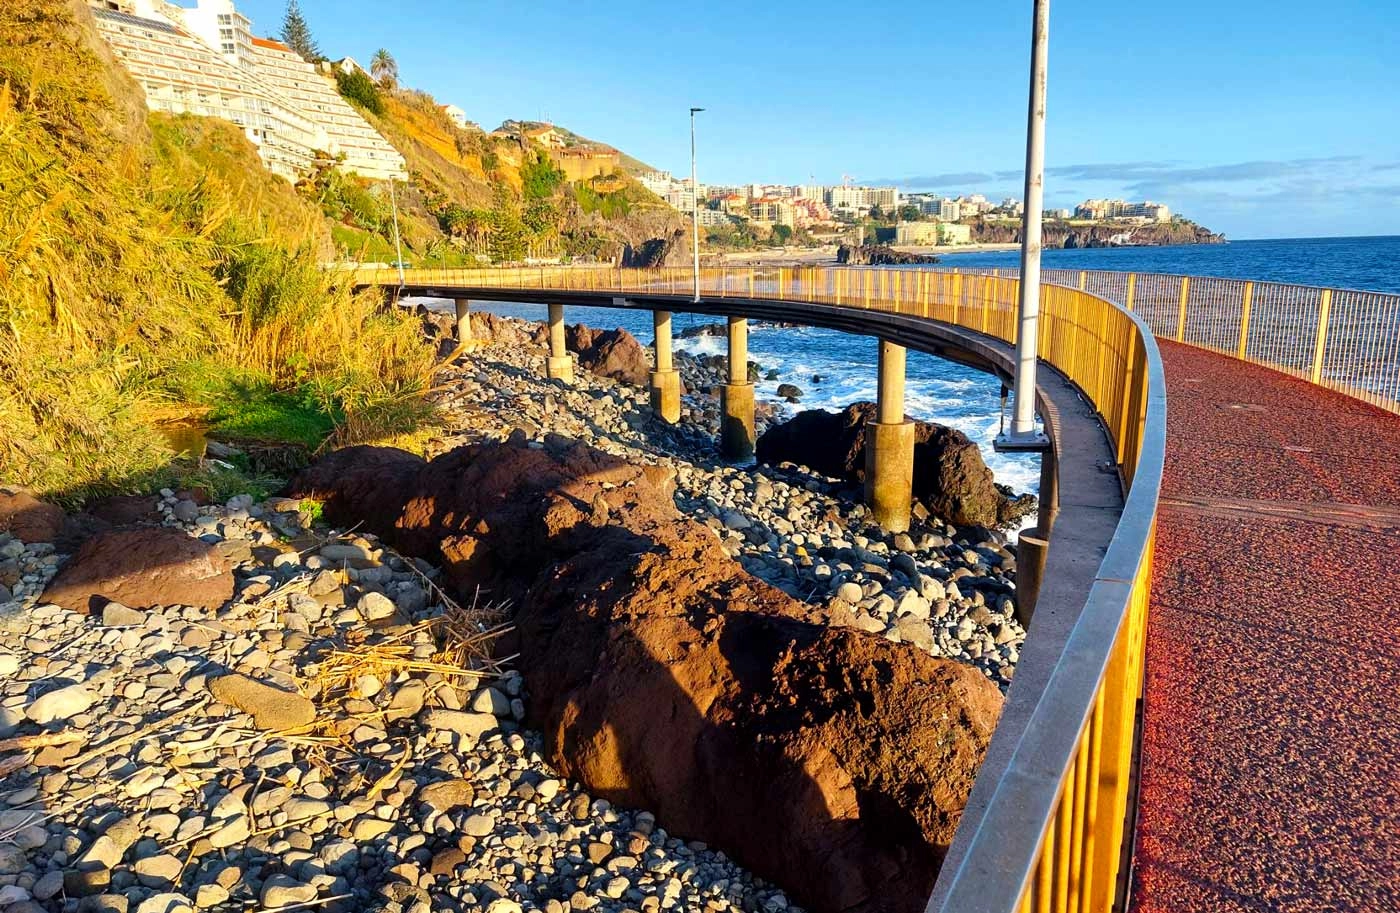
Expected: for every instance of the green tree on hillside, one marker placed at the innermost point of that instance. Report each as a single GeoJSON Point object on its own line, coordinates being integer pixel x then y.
{"type": "Point", "coordinates": [384, 68]}
{"type": "Point", "coordinates": [355, 86]}
{"type": "Point", "coordinates": [296, 34]}
{"type": "Point", "coordinates": [781, 234]}
{"type": "Point", "coordinates": [540, 178]}
{"type": "Point", "coordinates": [507, 235]}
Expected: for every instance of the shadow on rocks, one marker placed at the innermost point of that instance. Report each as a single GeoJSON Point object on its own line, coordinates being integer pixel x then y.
{"type": "Point", "coordinates": [832, 762]}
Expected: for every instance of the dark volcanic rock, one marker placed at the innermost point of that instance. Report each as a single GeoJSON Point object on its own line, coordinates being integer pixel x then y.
{"type": "Point", "coordinates": [27, 518]}
{"type": "Point", "coordinates": [790, 392]}
{"type": "Point", "coordinates": [126, 510]}
{"type": "Point", "coordinates": [609, 353]}
{"type": "Point", "coordinates": [140, 568]}
{"type": "Point", "coordinates": [673, 250]}
{"type": "Point", "coordinates": [702, 329]}
{"type": "Point", "coordinates": [878, 255]}
{"type": "Point", "coordinates": [487, 329]}
{"type": "Point", "coordinates": [829, 760]}
{"type": "Point", "coordinates": [950, 477]}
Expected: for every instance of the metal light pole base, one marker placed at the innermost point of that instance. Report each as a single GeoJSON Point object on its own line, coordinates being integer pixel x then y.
{"type": "Point", "coordinates": [1028, 442]}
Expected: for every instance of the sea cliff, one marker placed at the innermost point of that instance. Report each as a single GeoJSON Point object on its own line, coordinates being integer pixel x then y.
{"type": "Point", "coordinates": [1070, 236]}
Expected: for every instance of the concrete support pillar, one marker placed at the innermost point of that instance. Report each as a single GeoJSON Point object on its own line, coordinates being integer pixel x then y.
{"type": "Point", "coordinates": [736, 431]}
{"type": "Point", "coordinates": [1033, 545]}
{"type": "Point", "coordinates": [665, 380]}
{"type": "Point", "coordinates": [464, 321]}
{"type": "Point", "coordinates": [558, 366]}
{"type": "Point", "coordinates": [889, 447]}
{"type": "Point", "coordinates": [738, 350]}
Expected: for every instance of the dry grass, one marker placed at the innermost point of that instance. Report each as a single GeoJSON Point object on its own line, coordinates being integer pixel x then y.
{"type": "Point", "coordinates": [127, 254]}
{"type": "Point", "coordinates": [463, 655]}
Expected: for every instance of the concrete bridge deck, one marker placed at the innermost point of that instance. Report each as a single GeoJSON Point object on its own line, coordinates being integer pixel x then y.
{"type": "Point", "coordinates": [1271, 743]}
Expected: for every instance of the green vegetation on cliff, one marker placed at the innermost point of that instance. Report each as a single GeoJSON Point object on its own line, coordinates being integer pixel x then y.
{"type": "Point", "coordinates": [148, 267]}
{"type": "Point", "coordinates": [475, 197]}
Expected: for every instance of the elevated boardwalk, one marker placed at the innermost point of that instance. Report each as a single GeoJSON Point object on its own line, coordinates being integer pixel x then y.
{"type": "Point", "coordinates": [1271, 743]}
{"type": "Point", "coordinates": [1246, 593]}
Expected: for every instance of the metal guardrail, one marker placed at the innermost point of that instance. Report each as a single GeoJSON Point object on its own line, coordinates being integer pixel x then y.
{"type": "Point", "coordinates": [1341, 339]}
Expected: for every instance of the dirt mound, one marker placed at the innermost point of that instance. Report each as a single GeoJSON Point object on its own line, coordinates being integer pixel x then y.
{"type": "Point", "coordinates": [833, 762]}
{"type": "Point", "coordinates": [139, 568]}
{"type": "Point", "coordinates": [950, 477]}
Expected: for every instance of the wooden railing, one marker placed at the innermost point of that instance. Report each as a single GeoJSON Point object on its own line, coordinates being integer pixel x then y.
{"type": "Point", "coordinates": [1341, 339]}
{"type": "Point", "coordinates": [1050, 835]}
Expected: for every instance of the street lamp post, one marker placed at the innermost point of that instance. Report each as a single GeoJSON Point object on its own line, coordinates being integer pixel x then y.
{"type": "Point", "coordinates": [1023, 435]}
{"type": "Point", "coordinates": [398, 244]}
{"type": "Point", "coordinates": [694, 205]}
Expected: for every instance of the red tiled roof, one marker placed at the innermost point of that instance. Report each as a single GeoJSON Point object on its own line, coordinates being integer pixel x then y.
{"type": "Point", "coordinates": [273, 45]}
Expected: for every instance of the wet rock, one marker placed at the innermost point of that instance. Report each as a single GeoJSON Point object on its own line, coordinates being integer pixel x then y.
{"type": "Point", "coordinates": [950, 477]}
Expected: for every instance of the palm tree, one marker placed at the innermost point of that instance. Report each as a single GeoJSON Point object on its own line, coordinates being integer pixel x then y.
{"type": "Point", "coordinates": [384, 68]}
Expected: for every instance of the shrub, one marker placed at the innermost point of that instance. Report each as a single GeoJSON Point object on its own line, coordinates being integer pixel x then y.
{"type": "Point", "coordinates": [358, 88]}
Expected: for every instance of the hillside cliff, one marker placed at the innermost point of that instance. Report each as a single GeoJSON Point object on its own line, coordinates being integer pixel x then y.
{"type": "Point", "coordinates": [476, 197]}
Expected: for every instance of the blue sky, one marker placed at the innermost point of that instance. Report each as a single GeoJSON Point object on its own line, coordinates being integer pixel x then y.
{"type": "Point", "coordinates": [1259, 118]}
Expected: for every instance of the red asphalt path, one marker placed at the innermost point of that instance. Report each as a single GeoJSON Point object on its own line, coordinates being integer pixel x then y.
{"type": "Point", "coordinates": [1271, 739]}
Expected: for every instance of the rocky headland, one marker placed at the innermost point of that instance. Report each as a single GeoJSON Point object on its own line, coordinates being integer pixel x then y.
{"type": "Point", "coordinates": [878, 255]}
{"type": "Point", "coordinates": [574, 613]}
{"type": "Point", "coordinates": [1070, 236]}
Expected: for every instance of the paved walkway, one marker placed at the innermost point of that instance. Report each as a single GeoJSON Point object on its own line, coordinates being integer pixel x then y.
{"type": "Point", "coordinates": [1271, 744]}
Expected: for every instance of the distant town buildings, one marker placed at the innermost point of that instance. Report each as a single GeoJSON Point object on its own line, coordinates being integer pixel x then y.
{"type": "Point", "coordinates": [920, 218]}
{"type": "Point", "coordinates": [204, 60]}
{"type": "Point", "coordinates": [1099, 210]}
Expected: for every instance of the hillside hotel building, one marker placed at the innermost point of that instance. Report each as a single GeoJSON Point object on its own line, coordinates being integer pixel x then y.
{"type": "Point", "coordinates": [204, 60]}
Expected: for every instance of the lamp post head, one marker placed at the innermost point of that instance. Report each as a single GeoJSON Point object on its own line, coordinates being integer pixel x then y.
{"type": "Point", "coordinates": [694, 111]}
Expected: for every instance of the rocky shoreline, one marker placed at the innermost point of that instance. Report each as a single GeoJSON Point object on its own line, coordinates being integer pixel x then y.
{"type": "Point", "coordinates": [330, 737]}
{"type": "Point", "coordinates": [807, 534]}
{"type": "Point", "coordinates": [287, 715]}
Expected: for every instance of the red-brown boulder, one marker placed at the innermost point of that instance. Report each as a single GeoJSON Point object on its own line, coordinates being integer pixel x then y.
{"type": "Point", "coordinates": [950, 476]}
{"type": "Point", "coordinates": [830, 761]}
{"type": "Point", "coordinates": [27, 518]}
{"type": "Point", "coordinates": [610, 353]}
{"type": "Point", "coordinates": [140, 568]}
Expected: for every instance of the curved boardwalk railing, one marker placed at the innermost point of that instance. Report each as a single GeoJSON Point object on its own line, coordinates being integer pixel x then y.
{"type": "Point", "coordinates": [1051, 829]}
{"type": "Point", "coordinates": [1344, 340]}
{"type": "Point", "coordinates": [1051, 832]}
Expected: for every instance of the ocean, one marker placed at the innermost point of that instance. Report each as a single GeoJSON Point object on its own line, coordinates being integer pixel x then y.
{"type": "Point", "coordinates": [1366, 264]}
{"type": "Point", "coordinates": [950, 394]}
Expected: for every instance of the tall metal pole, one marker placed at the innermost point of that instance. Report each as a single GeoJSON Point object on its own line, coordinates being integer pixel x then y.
{"type": "Point", "coordinates": [398, 245]}
{"type": "Point", "coordinates": [694, 204]}
{"type": "Point", "coordinates": [1022, 432]}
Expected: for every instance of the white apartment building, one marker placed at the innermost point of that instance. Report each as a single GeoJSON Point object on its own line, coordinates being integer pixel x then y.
{"type": "Point", "coordinates": [348, 134]}
{"type": "Point", "coordinates": [204, 61]}
{"type": "Point", "coordinates": [845, 196]}
{"type": "Point", "coordinates": [1121, 209]}
{"type": "Point", "coordinates": [949, 210]}
{"type": "Point", "coordinates": [917, 233]}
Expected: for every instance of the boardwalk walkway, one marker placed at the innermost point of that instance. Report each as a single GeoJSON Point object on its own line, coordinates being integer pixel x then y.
{"type": "Point", "coordinates": [1271, 744]}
